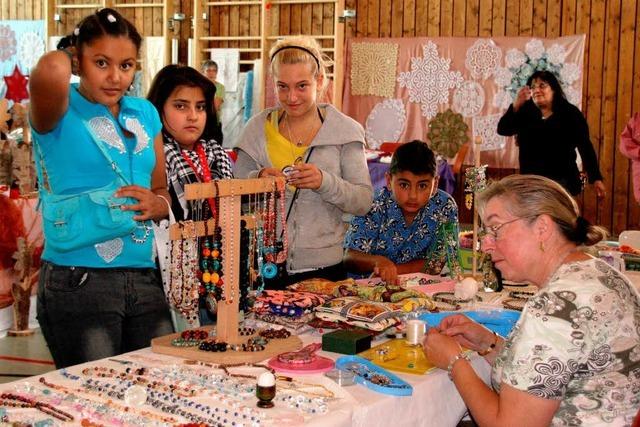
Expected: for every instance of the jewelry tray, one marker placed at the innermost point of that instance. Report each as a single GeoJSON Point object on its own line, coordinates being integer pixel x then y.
{"type": "Point", "coordinates": [399, 356]}
{"type": "Point", "coordinates": [497, 320]}
{"type": "Point", "coordinates": [398, 387]}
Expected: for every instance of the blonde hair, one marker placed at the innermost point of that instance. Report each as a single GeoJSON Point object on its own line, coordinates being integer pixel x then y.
{"type": "Point", "coordinates": [529, 196]}
{"type": "Point", "coordinates": [300, 50]}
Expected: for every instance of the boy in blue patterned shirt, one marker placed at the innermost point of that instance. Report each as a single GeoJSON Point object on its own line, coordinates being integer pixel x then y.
{"type": "Point", "coordinates": [407, 229]}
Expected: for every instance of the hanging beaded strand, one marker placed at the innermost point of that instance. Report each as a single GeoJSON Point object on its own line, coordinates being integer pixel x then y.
{"type": "Point", "coordinates": [282, 254]}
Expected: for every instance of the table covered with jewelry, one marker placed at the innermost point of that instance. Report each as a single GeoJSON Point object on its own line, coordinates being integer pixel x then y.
{"type": "Point", "coordinates": [146, 388]}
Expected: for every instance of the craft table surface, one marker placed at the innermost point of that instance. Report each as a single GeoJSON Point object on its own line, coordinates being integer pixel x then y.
{"type": "Point", "coordinates": [435, 401]}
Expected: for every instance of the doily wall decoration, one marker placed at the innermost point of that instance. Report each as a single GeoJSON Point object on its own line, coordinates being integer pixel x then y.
{"type": "Point", "coordinates": [485, 127]}
{"type": "Point", "coordinates": [447, 133]}
{"type": "Point", "coordinates": [468, 99]}
{"type": "Point", "coordinates": [373, 69]}
{"type": "Point", "coordinates": [30, 49]}
{"type": "Point", "coordinates": [483, 58]}
{"type": "Point", "coordinates": [519, 66]}
{"type": "Point", "coordinates": [385, 122]}
{"type": "Point", "coordinates": [430, 80]}
{"type": "Point", "coordinates": [7, 42]}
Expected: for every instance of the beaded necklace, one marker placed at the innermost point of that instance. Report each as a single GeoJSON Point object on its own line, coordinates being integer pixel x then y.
{"type": "Point", "coordinates": [184, 289]}
{"type": "Point", "coordinates": [18, 401]}
{"type": "Point", "coordinates": [128, 415]}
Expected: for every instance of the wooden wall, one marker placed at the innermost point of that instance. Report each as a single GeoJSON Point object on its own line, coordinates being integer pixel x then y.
{"type": "Point", "coordinates": [612, 55]}
{"type": "Point", "coordinates": [612, 58]}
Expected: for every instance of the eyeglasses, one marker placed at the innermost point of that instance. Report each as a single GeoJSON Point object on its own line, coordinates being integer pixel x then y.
{"type": "Point", "coordinates": [541, 86]}
{"type": "Point", "coordinates": [491, 231]}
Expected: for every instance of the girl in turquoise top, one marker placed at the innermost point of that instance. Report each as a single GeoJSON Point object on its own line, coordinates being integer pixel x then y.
{"type": "Point", "coordinates": [104, 298]}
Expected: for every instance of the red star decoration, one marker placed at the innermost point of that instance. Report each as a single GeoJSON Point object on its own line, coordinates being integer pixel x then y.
{"type": "Point", "coordinates": [16, 86]}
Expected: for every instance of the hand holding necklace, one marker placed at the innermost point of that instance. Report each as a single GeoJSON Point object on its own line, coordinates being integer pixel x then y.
{"type": "Point", "coordinates": [305, 176]}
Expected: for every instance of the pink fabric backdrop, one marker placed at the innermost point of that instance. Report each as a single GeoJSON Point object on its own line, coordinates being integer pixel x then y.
{"type": "Point", "coordinates": [470, 66]}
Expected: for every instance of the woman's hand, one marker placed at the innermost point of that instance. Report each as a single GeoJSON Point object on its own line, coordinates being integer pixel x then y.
{"type": "Point", "coordinates": [305, 175]}
{"type": "Point", "coordinates": [524, 94]}
{"type": "Point", "coordinates": [265, 172]}
{"type": "Point", "coordinates": [439, 348]}
{"type": "Point", "coordinates": [150, 205]}
{"type": "Point", "coordinates": [466, 332]}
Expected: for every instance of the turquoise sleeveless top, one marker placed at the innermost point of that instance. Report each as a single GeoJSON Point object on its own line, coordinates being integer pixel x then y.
{"type": "Point", "coordinates": [74, 164]}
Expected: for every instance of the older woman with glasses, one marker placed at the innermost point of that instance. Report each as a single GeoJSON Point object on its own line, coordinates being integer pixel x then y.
{"type": "Point", "coordinates": [573, 358]}
{"type": "Point", "coordinates": [548, 130]}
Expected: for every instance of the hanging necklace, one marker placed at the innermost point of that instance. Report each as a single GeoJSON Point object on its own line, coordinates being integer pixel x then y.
{"type": "Point", "coordinates": [292, 137]}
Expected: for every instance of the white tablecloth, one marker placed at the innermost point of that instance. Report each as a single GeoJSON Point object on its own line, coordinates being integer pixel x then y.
{"type": "Point", "coordinates": [435, 401]}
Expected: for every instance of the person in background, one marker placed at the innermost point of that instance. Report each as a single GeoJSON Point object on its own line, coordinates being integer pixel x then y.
{"type": "Point", "coordinates": [210, 70]}
{"type": "Point", "coordinates": [573, 357]}
{"type": "Point", "coordinates": [319, 150]}
{"type": "Point", "coordinates": [183, 98]}
{"type": "Point", "coordinates": [403, 232]}
{"type": "Point", "coordinates": [105, 298]}
{"type": "Point", "coordinates": [548, 130]}
{"type": "Point", "coordinates": [630, 147]}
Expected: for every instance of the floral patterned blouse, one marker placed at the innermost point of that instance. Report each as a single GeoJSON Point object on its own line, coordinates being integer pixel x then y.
{"type": "Point", "coordinates": [578, 341]}
{"type": "Point", "coordinates": [384, 231]}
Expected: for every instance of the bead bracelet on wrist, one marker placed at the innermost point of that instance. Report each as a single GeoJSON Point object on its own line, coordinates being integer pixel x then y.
{"type": "Point", "coordinates": [453, 361]}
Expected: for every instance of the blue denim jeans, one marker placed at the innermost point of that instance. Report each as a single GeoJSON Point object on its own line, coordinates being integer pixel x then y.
{"type": "Point", "coordinates": [91, 313]}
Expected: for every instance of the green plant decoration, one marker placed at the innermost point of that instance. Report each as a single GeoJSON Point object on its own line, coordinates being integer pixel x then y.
{"type": "Point", "coordinates": [447, 133]}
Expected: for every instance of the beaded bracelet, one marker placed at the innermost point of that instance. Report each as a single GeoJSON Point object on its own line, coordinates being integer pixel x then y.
{"type": "Point", "coordinates": [514, 303]}
{"type": "Point", "coordinates": [453, 361]}
{"type": "Point", "coordinates": [213, 345]}
{"type": "Point", "coordinates": [521, 294]}
{"type": "Point", "coordinates": [275, 333]}
{"type": "Point", "coordinates": [245, 332]}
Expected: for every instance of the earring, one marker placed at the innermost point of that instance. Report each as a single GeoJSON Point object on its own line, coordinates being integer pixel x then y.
{"type": "Point", "coordinates": [541, 247]}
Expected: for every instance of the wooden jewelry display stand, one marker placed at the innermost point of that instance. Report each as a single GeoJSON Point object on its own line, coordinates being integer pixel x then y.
{"type": "Point", "coordinates": [229, 192]}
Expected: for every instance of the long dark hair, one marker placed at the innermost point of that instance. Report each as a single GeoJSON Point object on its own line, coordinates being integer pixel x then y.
{"type": "Point", "coordinates": [105, 22]}
{"type": "Point", "coordinates": [173, 76]}
{"type": "Point", "coordinates": [559, 98]}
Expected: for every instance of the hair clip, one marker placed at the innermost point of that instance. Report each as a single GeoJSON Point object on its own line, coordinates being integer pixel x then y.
{"type": "Point", "coordinates": [76, 32]}
{"type": "Point", "coordinates": [111, 18]}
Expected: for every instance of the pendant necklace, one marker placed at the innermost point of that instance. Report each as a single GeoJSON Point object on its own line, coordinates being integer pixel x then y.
{"type": "Point", "coordinates": [293, 138]}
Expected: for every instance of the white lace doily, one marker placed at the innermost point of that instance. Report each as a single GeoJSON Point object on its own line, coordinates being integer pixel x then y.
{"type": "Point", "coordinates": [514, 58]}
{"type": "Point", "coordinates": [30, 49]}
{"type": "Point", "coordinates": [486, 128]}
{"type": "Point", "coordinates": [430, 80]}
{"type": "Point", "coordinates": [556, 54]}
{"type": "Point", "coordinates": [385, 122]}
{"type": "Point", "coordinates": [483, 57]}
{"type": "Point", "coordinates": [373, 69]}
{"type": "Point", "coordinates": [534, 49]}
{"type": "Point", "coordinates": [468, 99]}
{"type": "Point", "coordinates": [7, 42]}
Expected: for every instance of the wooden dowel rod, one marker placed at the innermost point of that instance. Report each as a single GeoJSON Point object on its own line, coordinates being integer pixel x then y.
{"type": "Point", "coordinates": [233, 3]}
{"type": "Point", "coordinates": [241, 49]}
{"type": "Point", "coordinates": [178, 231]}
{"type": "Point", "coordinates": [230, 38]}
{"type": "Point", "coordinates": [78, 6]}
{"type": "Point", "coordinates": [230, 187]}
{"type": "Point", "coordinates": [304, 2]}
{"type": "Point", "coordinates": [127, 5]}
{"type": "Point", "coordinates": [317, 37]}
